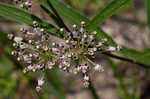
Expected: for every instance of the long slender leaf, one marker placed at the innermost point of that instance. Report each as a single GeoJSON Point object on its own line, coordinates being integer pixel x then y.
{"type": "Point", "coordinates": [108, 11]}
{"type": "Point", "coordinates": [75, 17]}
{"type": "Point", "coordinates": [67, 12]}
{"type": "Point", "coordinates": [147, 3]}
{"type": "Point", "coordinates": [55, 19]}
{"type": "Point", "coordinates": [19, 15]}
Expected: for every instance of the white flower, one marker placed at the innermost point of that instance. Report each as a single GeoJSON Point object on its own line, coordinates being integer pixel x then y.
{"type": "Point", "coordinates": [54, 49]}
{"type": "Point", "coordinates": [38, 88]}
{"type": "Point", "coordinates": [94, 32]}
{"type": "Point", "coordinates": [110, 48]}
{"type": "Point", "coordinates": [94, 49]}
{"type": "Point", "coordinates": [18, 39]}
{"type": "Point", "coordinates": [18, 59]}
{"type": "Point", "coordinates": [37, 47]}
{"type": "Point", "coordinates": [86, 84]}
{"type": "Point", "coordinates": [40, 82]}
{"type": "Point", "coordinates": [86, 77]}
{"type": "Point", "coordinates": [118, 48]}
{"type": "Point", "coordinates": [98, 67]}
{"type": "Point", "coordinates": [69, 55]}
{"type": "Point", "coordinates": [81, 30]}
{"type": "Point", "coordinates": [61, 29]}
{"type": "Point", "coordinates": [30, 67]}
{"type": "Point", "coordinates": [23, 46]}
{"type": "Point", "coordinates": [74, 26]}
{"type": "Point", "coordinates": [67, 41]}
{"type": "Point", "coordinates": [82, 22]}
{"type": "Point", "coordinates": [100, 44]}
{"type": "Point", "coordinates": [25, 57]}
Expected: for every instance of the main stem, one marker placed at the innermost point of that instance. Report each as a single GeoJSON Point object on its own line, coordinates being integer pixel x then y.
{"type": "Point", "coordinates": [93, 91]}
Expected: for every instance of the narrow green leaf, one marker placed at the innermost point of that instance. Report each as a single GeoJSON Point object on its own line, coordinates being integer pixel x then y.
{"type": "Point", "coordinates": [19, 15]}
{"type": "Point", "coordinates": [55, 19]}
{"type": "Point", "coordinates": [147, 3]}
{"type": "Point", "coordinates": [67, 12]}
{"type": "Point", "coordinates": [105, 13]}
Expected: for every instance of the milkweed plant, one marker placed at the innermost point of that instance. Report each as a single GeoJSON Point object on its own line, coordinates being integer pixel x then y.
{"type": "Point", "coordinates": [73, 54]}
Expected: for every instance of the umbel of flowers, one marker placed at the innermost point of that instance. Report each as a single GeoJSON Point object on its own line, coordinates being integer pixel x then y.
{"type": "Point", "coordinates": [72, 55]}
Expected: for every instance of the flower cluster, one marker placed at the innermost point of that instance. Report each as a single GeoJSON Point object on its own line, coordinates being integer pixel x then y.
{"type": "Point", "coordinates": [72, 54]}
{"type": "Point", "coordinates": [25, 4]}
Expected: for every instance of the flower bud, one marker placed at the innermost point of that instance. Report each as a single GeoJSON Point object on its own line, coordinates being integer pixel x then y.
{"type": "Point", "coordinates": [11, 36]}
{"type": "Point", "coordinates": [41, 81]}
{"type": "Point", "coordinates": [18, 39]}
{"type": "Point", "coordinates": [86, 84]}
{"type": "Point", "coordinates": [86, 78]}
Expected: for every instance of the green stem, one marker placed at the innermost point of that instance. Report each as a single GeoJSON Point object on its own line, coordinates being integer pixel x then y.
{"type": "Point", "coordinates": [127, 60]}
{"type": "Point", "coordinates": [93, 91]}
{"type": "Point", "coordinates": [90, 61]}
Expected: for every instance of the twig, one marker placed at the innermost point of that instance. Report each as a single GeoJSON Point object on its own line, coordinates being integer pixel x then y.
{"type": "Point", "coordinates": [127, 60]}
{"type": "Point", "coordinates": [55, 12]}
